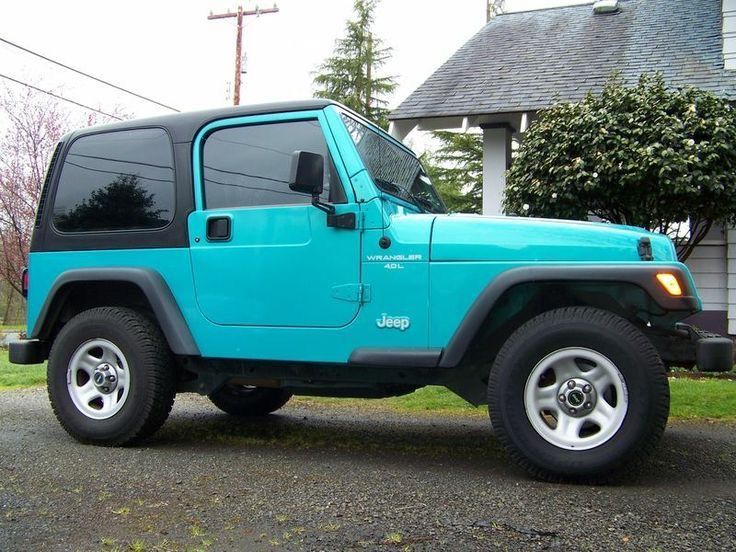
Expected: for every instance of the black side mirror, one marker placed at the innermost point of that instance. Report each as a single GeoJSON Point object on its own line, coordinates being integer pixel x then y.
{"type": "Point", "coordinates": [307, 173]}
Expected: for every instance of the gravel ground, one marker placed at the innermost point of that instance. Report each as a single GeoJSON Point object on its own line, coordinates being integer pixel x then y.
{"type": "Point", "coordinates": [338, 478]}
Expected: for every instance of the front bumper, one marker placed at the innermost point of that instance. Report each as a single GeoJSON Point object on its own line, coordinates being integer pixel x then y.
{"type": "Point", "coordinates": [28, 351]}
{"type": "Point", "coordinates": [689, 346]}
{"type": "Point", "coordinates": [713, 353]}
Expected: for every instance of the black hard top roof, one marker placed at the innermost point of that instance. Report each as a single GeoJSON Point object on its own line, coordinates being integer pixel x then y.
{"type": "Point", "coordinates": [183, 126]}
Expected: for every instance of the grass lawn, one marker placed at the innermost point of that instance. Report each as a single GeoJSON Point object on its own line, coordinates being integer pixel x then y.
{"type": "Point", "coordinates": [705, 398]}
{"type": "Point", "coordinates": [15, 375]}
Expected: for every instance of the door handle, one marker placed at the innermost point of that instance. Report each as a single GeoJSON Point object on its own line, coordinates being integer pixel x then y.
{"type": "Point", "coordinates": [218, 228]}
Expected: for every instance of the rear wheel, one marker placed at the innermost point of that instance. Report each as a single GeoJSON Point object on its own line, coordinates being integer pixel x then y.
{"type": "Point", "coordinates": [110, 376]}
{"type": "Point", "coordinates": [576, 393]}
{"type": "Point", "coordinates": [247, 400]}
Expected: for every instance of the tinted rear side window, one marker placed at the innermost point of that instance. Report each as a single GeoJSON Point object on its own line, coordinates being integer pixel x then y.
{"type": "Point", "coordinates": [121, 180]}
{"type": "Point", "coordinates": [249, 166]}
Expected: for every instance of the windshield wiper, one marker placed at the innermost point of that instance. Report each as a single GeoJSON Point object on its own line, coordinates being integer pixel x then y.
{"type": "Point", "coordinates": [406, 195]}
{"type": "Point", "coordinates": [392, 188]}
{"type": "Point", "coordinates": [426, 205]}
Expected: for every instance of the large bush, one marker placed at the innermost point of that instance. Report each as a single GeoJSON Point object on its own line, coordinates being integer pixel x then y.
{"type": "Point", "coordinates": [647, 156]}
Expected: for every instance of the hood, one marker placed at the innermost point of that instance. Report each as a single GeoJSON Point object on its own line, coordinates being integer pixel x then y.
{"type": "Point", "coordinates": [513, 239]}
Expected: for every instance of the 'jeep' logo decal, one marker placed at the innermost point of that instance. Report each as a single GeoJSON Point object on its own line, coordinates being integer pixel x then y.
{"type": "Point", "coordinates": [397, 322]}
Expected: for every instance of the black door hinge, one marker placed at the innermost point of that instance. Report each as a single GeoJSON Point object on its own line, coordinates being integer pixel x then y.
{"type": "Point", "coordinates": [645, 249]}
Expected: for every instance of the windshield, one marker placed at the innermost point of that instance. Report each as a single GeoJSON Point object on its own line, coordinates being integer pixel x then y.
{"type": "Point", "coordinates": [394, 170]}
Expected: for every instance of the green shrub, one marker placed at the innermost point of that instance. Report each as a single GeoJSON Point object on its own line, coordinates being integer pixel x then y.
{"type": "Point", "coordinates": [647, 156]}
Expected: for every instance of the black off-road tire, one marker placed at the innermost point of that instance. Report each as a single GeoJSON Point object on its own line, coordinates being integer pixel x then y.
{"type": "Point", "coordinates": [608, 334]}
{"type": "Point", "coordinates": [246, 401]}
{"type": "Point", "coordinates": [151, 376]}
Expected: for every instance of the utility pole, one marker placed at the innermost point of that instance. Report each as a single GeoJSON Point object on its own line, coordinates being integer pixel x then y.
{"type": "Point", "coordinates": [239, 40]}
{"type": "Point", "coordinates": [368, 80]}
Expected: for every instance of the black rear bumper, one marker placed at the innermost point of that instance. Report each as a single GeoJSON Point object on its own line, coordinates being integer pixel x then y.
{"type": "Point", "coordinates": [28, 351]}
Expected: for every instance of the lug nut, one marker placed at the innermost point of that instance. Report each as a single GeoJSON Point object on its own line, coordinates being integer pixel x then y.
{"type": "Point", "coordinates": [562, 398]}
{"type": "Point", "coordinates": [111, 378]}
{"type": "Point", "coordinates": [588, 406]}
{"type": "Point", "coordinates": [570, 384]}
{"type": "Point", "coordinates": [587, 388]}
{"type": "Point", "coordinates": [106, 389]}
{"type": "Point", "coordinates": [573, 411]}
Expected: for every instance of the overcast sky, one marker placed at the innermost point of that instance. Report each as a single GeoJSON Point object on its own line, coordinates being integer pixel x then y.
{"type": "Point", "coordinates": [168, 50]}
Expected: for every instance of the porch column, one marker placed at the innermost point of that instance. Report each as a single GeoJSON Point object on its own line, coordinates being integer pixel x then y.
{"type": "Point", "coordinates": [401, 128]}
{"type": "Point", "coordinates": [496, 160]}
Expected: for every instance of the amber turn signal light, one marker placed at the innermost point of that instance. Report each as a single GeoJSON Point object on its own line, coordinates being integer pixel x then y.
{"type": "Point", "coordinates": [669, 283]}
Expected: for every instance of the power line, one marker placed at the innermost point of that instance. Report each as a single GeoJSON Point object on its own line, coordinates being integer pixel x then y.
{"type": "Point", "coordinates": [86, 168]}
{"type": "Point", "coordinates": [60, 97]}
{"type": "Point", "coordinates": [127, 161]}
{"type": "Point", "coordinates": [87, 75]}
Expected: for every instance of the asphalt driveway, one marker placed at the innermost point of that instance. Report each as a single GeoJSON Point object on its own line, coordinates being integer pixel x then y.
{"type": "Point", "coordinates": [329, 478]}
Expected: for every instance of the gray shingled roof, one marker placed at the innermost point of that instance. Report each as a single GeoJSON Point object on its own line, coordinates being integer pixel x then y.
{"type": "Point", "coordinates": [529, 60]}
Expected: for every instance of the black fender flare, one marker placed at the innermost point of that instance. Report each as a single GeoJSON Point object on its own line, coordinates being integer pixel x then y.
{"type": "Point", "coordinates": [151, 283]}
{"type": "Point", "coordinates": [641, 275]}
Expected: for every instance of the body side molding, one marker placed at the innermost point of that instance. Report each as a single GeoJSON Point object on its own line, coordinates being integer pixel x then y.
{"type": "Point", "coordinates": [643, 276]}
{"type": "Point", "coordinates": [412, 358]}
{"type": "Point", "coordinates": [150, 282]}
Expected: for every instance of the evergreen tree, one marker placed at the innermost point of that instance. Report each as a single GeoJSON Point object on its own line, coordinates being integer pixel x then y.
{"type": "Point", "coordinates": [351, 75]}
{"type": "Point", "coordinates": [456, 169]}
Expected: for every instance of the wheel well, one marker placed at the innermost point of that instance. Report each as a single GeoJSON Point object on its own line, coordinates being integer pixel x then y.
{"type": "Point", "coordinates": [75, 297]}
{"type": "Point", "coordinates": [523, 302]}
{"type": "Point", "coordinates": [138, 288]}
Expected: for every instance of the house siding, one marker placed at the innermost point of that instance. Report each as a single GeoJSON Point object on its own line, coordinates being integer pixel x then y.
{"type": "Point", "coordinates": [729, 33]}
{"type": "Point", "coordinates": [731, 279]}
{"type": "Point", "coordinates": [707, 263]}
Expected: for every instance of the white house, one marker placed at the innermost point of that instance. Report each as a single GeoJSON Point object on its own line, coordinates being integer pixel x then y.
{"type": "Point", "coordinates": [522, 62]}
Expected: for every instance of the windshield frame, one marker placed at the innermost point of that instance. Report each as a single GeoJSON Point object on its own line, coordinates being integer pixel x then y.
{"type": "Point", "coordinates": [406, 195]}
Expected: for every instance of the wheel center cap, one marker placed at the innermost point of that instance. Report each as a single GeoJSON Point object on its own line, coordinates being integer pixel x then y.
{"type": "Point", "coordinates": [105, 378]}
{"type": "Point", "coordinates": [576, 397]}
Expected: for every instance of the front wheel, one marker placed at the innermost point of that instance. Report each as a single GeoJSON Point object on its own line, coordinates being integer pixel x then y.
{"type": "Point", "coordinates": [576, 393]}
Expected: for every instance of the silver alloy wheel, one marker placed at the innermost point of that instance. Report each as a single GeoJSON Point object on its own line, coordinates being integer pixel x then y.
{"type": "Point", "coordinates": [98, 379]}
{"type": "Point", "coordinates": [576, 398]}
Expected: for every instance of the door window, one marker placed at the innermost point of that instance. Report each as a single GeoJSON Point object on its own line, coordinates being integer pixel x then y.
{"type": "Point", "coordinates": [249, 166]}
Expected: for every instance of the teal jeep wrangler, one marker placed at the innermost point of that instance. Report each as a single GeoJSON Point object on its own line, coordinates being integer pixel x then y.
{"type": "Point", "coordinates": [255, 253]}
